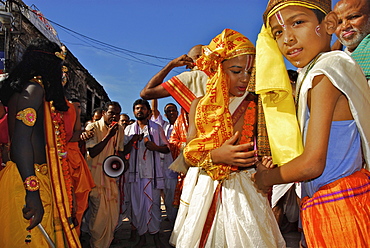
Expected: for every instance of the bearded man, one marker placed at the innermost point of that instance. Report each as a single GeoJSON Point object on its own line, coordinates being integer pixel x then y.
{"type": "Point", "coordinates": [146, 142]}
{"type": "Point", "coordinates": [353, 30]}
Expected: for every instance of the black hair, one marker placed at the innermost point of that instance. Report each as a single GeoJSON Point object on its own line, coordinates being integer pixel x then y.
{"type": "Point", "coordinates": [293, 75]}
{"type": "Point", "coordinates": [111, 103]}
{"type": "Point", "coordinates": [74, 100]}
{"type": "Point", "coordinates": [169, 104]}
{"type": "Point", "coordinates": [97, 110]}
{"type": "Point", "coordinates": [142, 102]}
{"type": "Point", "coordinates": [39, 59]}
{"type": "Point", "coordinates": [319, 14]}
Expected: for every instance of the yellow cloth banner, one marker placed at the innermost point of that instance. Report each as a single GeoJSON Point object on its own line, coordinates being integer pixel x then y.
{"type": "Point", "coordinates": [273, 85]}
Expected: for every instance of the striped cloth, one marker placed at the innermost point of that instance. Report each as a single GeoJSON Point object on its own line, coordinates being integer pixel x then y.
{"type": "Point", "coordinates": [362, 55]}
{"type": "Point", "coordinates": [338, 214]}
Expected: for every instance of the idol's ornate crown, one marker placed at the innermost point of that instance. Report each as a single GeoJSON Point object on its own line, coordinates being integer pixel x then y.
{"type": "Point", "coordinates": [62, 55]}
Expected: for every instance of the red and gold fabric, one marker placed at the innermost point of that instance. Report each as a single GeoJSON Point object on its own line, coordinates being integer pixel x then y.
{"type": "Point", "coordinates": [180, 92]}
{"type": "Point", "coordinates": [338, 215]}
{"type": "Point", "coordinates": [178, 135]}
{"type": "Point", "coordinates": [82, 180]}
{"type": "Point", "coordinates": [60, 178]}
{"type": "Point", "coordinates": [213, 120]}
{"type": "Point", "coordinates": [177, 143]}
{"type": "Point", "coordinates": [263, 146]}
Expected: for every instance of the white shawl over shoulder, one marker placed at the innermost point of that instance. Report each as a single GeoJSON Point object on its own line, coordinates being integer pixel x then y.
{"type": "Point", "coordinates": [346, 75]}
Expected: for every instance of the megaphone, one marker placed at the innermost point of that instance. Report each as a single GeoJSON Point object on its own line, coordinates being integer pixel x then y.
{"type": "Point", "coordinates": [113, 166]}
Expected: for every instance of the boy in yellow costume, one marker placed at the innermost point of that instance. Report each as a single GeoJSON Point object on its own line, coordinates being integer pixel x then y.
{"type": "Point", "coordinates": [333, 103]}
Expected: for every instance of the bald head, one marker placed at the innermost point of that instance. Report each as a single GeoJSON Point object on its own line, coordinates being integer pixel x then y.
{"type": "Point", "coordinates": [195, 52]}
{"type": "Point", "coordinates": [353, 22]}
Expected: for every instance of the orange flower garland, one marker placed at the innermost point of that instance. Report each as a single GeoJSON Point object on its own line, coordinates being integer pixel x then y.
{"type": "Point", "coordinates": [60, 134]}
{"type": "Point", "coordinates": [222, 171]}
{"type": "Point", "coordinates": [249, 123]}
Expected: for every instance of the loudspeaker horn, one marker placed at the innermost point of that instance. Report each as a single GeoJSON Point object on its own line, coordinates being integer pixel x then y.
{"type": "Point", "coordinates": [113, 166]}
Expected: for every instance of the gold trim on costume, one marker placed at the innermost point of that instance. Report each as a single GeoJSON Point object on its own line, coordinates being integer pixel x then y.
{"type": "Point", "coordinates": [27, 116]}
{"type": "Point", "coordinates": [32, 183]}
{"type": "Point", "coordinates": [42, 168]}
{"type": "Point", "coordinates": [207, 163]}
{"type": "Point", "coordinates": [186, 203]}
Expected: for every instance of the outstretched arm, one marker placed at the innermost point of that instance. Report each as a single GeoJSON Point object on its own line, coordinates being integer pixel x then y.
{"type": "Point", "coordinates": [154, 106]}
{"type": "Point", "coordinates": [154, 88]}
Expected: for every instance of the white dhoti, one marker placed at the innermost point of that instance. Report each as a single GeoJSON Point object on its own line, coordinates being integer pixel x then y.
{"type": "Point", "coordinates": [243, 217]}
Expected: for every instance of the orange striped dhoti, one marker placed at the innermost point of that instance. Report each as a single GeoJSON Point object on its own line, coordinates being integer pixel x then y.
{"type": "Point", "coordinates": [338, 215]}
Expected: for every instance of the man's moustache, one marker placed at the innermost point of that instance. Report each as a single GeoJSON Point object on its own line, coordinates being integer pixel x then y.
{"type": "Point", "coordinates": [349, 30]}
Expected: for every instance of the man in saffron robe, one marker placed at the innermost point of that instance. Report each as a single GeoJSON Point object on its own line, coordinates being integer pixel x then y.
{"type": "Point", "coordinates": [104, 198]}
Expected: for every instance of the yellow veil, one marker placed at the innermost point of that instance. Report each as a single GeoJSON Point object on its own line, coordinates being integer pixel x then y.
{"type": "Point", "coordinates": [212, 117]}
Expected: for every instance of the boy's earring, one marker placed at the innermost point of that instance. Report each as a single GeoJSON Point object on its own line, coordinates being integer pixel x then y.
{"type": "Point", "coordinates": [317, 29]}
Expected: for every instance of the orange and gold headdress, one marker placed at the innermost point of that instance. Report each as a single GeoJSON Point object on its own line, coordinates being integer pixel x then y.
{"type": "Point", "coordinates": [212, 117]}
{"type": "Point", "coordinates": [272, 83]}
{"type": "Point", "coordinates": [227, 45]}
